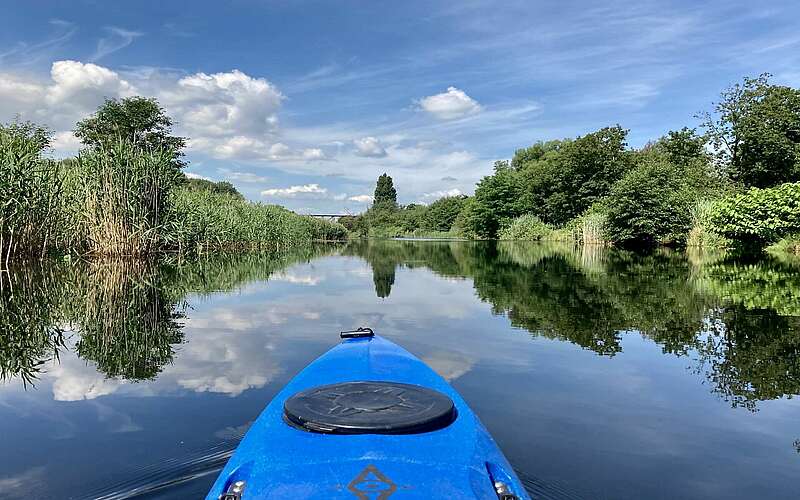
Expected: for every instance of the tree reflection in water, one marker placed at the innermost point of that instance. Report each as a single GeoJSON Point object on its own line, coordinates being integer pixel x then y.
{"type": "Point", "coordinates": [740, 319]}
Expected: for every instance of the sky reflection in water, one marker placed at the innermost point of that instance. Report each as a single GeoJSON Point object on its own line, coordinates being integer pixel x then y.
{"type": "Point", "coordinates": [600, 374]}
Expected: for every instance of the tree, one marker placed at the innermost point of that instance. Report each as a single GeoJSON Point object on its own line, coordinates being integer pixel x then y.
{"type": "Point", "coordinates": [441, 214]}
{"type": "Point", "coordinates": [559, 180]}
{"type": "Point", "coordinates": [138, 119]}
{"type": "Point", "coordinates": [497, 201]}
{"type": "Point", "coordinates": [221, 187]}
{"type": "Point", "coordinates": [682, 147]}
{"type": "Point", "coordinates": [755, 132]}
{"type": "Point", "coordinates": [385, 193]}
{"type": "Point", "coordinates": [650, 205]}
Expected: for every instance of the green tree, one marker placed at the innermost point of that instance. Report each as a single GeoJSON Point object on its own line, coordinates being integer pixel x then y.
{"type": "Point", "coordinates": [385, 193]}
{"type": "Point", "coordinates": [441, 214]}
{"type": "Point", "coordinates": [650, 205]}
{"type": "Point", "coordinates": [682, 147]}
{"type": "Point", "coordinates": [140, 120]}
{"type": "Point", "coordinates": [561, 179]}
{"type": "Point", "coordinates": [497, 201]}
{"type": "Point", "coordinates": [755, 131]}
{"type": "Point", "coordinates": [221, 187]}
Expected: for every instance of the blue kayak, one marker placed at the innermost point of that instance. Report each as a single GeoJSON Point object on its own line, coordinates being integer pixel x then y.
{"type": "Point", "coordinates": [367, 420]}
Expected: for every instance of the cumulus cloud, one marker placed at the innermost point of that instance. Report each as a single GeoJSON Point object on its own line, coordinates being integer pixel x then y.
{"type": "Point", "coordinates": [441, 194]}
{"type": "Point", "coordinates": [454, 103]}
{"type": "Point", "coordinates": [369, 147]}
{"type": "Point", "coordinates": [221, 103]}
{"type": "Point", "coordinates": [295, 191]}
{"type": "Point", "coordinates": [192, 175]}
{"type": "Point", "coordinates": [361, 198]}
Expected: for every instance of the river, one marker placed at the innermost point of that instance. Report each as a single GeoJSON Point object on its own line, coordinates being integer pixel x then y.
{"type": "Point", "coordinates": [600, 373]}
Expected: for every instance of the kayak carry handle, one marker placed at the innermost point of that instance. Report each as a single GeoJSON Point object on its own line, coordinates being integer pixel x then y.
{"type": "Point", "coordinates": [359, 332]}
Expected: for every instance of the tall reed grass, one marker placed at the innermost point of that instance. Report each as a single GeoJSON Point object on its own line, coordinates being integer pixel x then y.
{"type": "Point", "coordinates": [30, 190]}
{"type": "Point", "coordinates": [121, 200]}
{"type": "Point", "coordinates": [126, 198]}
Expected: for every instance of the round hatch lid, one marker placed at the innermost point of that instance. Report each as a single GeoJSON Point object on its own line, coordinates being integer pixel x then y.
{"type": "Point", "coordinates": [369, 408]}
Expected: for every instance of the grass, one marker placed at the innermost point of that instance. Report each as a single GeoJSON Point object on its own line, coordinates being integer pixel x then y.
{"type": "Point", "coordinates": [120, 200]}
{"type": "Point", "coordinates": [30, 190]}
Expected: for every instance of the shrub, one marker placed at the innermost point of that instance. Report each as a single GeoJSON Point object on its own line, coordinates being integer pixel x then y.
{"type": "Point", "coordinates": [758, 215]}
{"type": "Point", "coordinates": [650, 205]}
{"type": "Point", "coordinates": [525, 227]}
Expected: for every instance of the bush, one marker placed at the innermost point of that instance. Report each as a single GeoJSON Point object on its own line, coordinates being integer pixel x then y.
{"type": "Point", "coordinates": [650, 205]}
{"type": "Point", "coordinates": [525, 227]}
{"type": "Point", "coordinates": [758, 216]}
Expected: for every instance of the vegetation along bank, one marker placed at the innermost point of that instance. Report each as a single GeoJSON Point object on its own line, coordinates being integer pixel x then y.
{"type": "Point", "coordinates": [125, 194]}
{"type": "Point", "coordinates": [736, 184]}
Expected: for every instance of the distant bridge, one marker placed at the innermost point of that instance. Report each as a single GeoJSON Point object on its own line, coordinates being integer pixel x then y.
{"type": "Point", "coordinates": [332, 217]}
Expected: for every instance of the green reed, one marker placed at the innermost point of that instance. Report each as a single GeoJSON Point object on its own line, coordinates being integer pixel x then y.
{"type": "Point", "coordinates": [30, 191]}
{"type": "Point", "coordinates": [204, 221]}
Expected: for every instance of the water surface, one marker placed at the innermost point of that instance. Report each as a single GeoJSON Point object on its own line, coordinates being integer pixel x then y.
{"type": "Point", "coordinates": [601, 374]}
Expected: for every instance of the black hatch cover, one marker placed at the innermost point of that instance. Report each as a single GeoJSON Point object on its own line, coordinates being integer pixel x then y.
{"type": "Point", "coordinates": [369, 408]}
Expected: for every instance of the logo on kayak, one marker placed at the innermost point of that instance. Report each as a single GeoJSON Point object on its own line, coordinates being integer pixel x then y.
{"type": "Point", "coordinates": [372, 484]}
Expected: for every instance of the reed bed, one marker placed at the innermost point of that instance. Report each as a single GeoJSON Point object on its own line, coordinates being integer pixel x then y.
{"type": "Point", "coordinates": [118, 199]}
{"type": "Point", "coordinates": [205, 221]}
{"type": "Point", "coordinates": [30, 191]}
{"type": "Point", "coordinates": [126, 198]}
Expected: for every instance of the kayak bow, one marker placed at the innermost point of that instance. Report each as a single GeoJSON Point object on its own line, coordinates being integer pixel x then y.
{"type": "Point", "coordinates": [367, 420]}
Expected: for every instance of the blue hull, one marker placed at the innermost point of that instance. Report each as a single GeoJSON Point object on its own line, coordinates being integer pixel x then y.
{"type": "Point", "coordinates": [277, 460]}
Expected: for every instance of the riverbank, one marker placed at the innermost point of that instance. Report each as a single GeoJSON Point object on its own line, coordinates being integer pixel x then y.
{"type": "Point", "coordinates": [121, 200]}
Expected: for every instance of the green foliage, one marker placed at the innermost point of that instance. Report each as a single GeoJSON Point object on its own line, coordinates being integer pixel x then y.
{"type": "Point", "coordinates": [385, 193]}
{"type": "Point", "coordinates": [758, 216]}
{"type": "Point", "coordinates": [30, 191]}
{"type": "Point", "coordinates": [140, 120]}
{"type": "Point", "coordinates": [125, 197]}
{"type": "Point", "coordinates": [702, 234]}
{"type": "Point", "coordinates": [497, 201]}
{"type": "Point", "coordinates": [755, 130]}
{"type": "Point", "coordinates": [221, 187]}
{"type": "Point", "coordinates": [789, 245]}
{"type": "Point", "coordinates": [441, 214]}
{"type": "Point", "coordinates": [575, 174]}
{"type": "Point", "coordinates": [650, 205]}
{"type": "Point", "coordinates": [204, 220]}
{"type": "Point", "coordinates": [526, 227]}
{"type": "Point", "coordinates": [681, 147]}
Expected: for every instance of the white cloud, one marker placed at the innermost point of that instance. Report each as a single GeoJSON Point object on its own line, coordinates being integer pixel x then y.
{"type": "Point", "coordinates": [369, 147]}
{"type": "Point", "coordinates": [361, 198]}
{"type": "Point", "coordinates": [224, 105]}
{"type": "Point", "coordinates": [295, 191]}
{"type": "Point", "coordinates": [314, 154]}
{"type": "Point", "coordinates": [441, 194]}
{"type": "Point", "coordinates": [454, 103]}
{"type": "Point", "coordinates": [66, 142]}
{"type": "Point", "coordinates": [192, 175]}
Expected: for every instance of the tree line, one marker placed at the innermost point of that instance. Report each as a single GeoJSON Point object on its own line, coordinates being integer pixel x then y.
{"type": "Point", "coordinates": [735, 182]}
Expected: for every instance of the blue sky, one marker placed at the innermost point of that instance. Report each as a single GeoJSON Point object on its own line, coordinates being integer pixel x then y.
{"type": "Point", "coordinates": [305, 103]}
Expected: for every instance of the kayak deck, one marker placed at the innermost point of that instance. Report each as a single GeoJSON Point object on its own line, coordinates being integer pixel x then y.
{"type": "Point", "coordinates": [278, 459]}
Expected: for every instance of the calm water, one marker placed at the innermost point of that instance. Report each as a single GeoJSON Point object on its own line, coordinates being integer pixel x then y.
{"type": "Point", "coordinates": [601, 374]}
